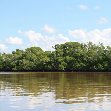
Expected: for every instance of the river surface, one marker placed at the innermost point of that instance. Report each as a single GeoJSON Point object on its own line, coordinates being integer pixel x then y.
{"type": "Point", "coordinates": [55, 91]}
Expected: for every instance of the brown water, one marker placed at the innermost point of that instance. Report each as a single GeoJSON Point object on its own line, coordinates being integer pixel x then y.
{"type": "Point", "coordinates": [55, 91]}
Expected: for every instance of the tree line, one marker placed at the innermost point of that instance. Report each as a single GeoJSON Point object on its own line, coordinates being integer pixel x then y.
{"type": "Point", "coordinates": [70, 56]}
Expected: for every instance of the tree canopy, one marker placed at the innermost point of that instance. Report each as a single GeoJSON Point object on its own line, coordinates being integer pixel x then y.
{"type": "Point", "coordinates": [70, 56]}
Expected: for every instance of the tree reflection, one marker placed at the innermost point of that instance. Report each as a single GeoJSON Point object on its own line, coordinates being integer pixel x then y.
{"type": "Point", "coordinates": [67, 87]}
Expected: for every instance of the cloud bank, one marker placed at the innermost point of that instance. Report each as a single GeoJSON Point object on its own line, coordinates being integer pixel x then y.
{"type": "Point", "coordinates": [95, 36]}
{"type": "Point", "coordinates": [14, 40]}
{"type": "Point", "coordinates": [45, 41]}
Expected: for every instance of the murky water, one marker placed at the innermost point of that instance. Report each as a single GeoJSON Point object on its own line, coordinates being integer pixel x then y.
{"type": "Point", "coordinates": [55, 92]}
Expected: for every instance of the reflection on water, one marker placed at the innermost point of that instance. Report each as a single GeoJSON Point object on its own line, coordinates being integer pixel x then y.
{"type": "Point", "coordinates": [55, 92]}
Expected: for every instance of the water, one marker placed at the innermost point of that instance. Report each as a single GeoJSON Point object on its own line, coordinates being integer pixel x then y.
{"type": "Point", "coordinates": [55, 91]}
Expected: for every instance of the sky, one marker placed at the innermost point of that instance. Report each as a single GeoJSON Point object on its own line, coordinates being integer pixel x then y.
{"type": "Point", "coordinates": [44, 23]}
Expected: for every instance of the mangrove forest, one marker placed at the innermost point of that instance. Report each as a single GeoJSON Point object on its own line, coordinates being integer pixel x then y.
{"type": "Point", "coordinates": [70, 56]}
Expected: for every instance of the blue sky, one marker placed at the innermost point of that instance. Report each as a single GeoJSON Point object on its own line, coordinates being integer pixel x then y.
{"type": "Point", "coordinates": [44, 23]}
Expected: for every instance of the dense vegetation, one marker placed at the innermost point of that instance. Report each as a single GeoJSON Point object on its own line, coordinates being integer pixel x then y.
{"type": "Point", "coordinates": [71, 56]}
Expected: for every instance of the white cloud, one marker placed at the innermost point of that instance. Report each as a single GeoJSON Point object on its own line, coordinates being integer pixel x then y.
{"type": "Point", "coordinates": [48, 29]}
{"type": "Point", "coordinates": [33, 36]}
{"type": "Point", "coordinates": [97, 7]}
{"type": "Point", "coordinates": [83, 7]}
{"type": "Point", "coordinates": [3, 47]}
{"type": "Point", "coordinates": [95, 36]}
{"type": "Point", "coordinates": [103, 20]}
{"type": "Point", "coordinates": [44, 41]}
{"type": "Point", "coordinates": [14, 40]}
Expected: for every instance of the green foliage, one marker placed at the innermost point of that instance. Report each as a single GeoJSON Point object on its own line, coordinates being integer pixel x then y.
{"type": "Point", "coordinates": [71, 56]}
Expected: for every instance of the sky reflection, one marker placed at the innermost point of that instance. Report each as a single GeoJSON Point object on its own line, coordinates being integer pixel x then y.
{"type": "Point", "coordinates": [55, 92]}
